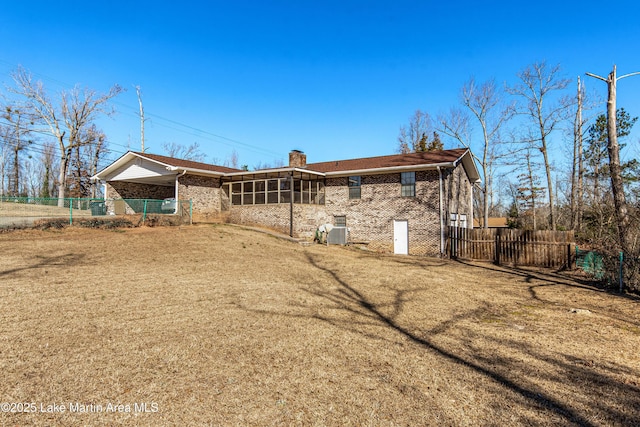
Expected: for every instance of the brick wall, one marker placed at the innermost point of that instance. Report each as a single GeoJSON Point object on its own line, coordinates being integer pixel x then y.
{"type": "Point", "coordinates": [133, 190]}
{"type": "Point", "coordinates": [371, 217]}
{"type": "Point", "coordinates": [306, 218]}
{"type": "Point", "coordinates": [458, 193]}
{"type": "Point", "coordinates": [204, 192]}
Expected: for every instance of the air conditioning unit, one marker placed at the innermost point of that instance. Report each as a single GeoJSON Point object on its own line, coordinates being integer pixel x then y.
{"type": "Point", "coordinates": [338, 236]}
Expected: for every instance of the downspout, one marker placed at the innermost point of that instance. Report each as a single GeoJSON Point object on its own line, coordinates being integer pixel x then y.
{"type": "Point", "coordinates": [184, 172]}
{"type": "Point", "coordinates": [441, 214]}
{"type": "Point", "coordinates": [470, 222]}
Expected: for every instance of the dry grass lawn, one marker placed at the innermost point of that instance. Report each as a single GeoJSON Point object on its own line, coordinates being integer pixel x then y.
{"type": "Point", "coordinates": [217, 325]}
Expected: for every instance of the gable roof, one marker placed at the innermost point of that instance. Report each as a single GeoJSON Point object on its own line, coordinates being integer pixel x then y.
{"type": "Point", "coordinates": [186, 164]}
{"type": "Point", "coordinates": [169, 165]}
{"type": "Point", "coordinates": [380, 164]}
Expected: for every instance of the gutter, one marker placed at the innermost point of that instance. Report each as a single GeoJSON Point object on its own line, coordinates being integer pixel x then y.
{"type": "Point", "coordinates": [391, 169]}
{"type": "Point", "coordinates": [201, 171]}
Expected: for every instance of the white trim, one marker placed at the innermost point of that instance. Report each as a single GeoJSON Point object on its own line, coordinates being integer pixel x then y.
{"type": "Point", "coordinates": [195, 170]}
{"type": "Point", "coordinates": [277, 170]}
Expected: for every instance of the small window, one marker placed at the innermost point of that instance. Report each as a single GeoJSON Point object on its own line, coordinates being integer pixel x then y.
{"type": "Point", "coordinates": [463, 220]}
{"type": "Point", "coordinates": [354, 187]}
{"type": "Point", "coordinates": [340, 221]}
{"type": "Point", "coordinates": [408, 181]}
{"type": "Point", "coordinates": [453, 220]}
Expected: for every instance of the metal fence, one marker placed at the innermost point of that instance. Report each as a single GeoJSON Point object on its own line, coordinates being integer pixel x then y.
{"type": "Point", "coordinates": [25, 211]}
{"type": "Point", "coordinates": [615, 270]}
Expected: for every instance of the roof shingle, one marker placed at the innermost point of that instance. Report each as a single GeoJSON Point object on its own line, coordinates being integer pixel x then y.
{"type": "Point", "coordinates": [172, 161]}
{"type": "Point", "coordinates": [395, 160]}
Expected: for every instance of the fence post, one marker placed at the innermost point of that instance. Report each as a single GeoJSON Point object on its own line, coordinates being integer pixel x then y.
{"type": "Point", "coordinates": [621, 272]}
{"type": "Point", "coordinates": [71, 211]}
{"type": "Point", "coordinates": [144, 211]}
{"type": "Point", "coordinates": [497, 257]}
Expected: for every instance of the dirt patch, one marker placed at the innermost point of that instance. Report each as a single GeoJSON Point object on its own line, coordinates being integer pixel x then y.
{"type": "Point", "coordinates": [219, 325]}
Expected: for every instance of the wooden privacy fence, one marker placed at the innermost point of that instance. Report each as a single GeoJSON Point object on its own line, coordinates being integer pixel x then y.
{"type": "Point", "coordinates": [517, 247]}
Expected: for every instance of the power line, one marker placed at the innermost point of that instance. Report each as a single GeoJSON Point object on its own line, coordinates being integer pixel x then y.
{"type": "Point", "coordinates": [182, 127]}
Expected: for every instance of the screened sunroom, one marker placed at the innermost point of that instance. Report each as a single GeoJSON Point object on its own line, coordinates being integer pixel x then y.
{"type": "Point", "coordinates": [274, 187]}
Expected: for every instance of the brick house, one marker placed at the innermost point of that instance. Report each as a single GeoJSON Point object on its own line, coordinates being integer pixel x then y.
{"type": "Point", "coordinates": [400, 203]}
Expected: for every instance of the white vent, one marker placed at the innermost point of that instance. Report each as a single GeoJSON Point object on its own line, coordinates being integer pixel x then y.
{"type": "Point", "coordinates": [338, 236]}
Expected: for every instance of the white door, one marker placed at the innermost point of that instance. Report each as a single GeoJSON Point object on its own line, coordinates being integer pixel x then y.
{"type": "Point", "coordinates": [401, 237]}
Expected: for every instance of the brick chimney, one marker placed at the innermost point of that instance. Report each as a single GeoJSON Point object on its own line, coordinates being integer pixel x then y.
{"type": "Point", "coordinates": [297, 159]}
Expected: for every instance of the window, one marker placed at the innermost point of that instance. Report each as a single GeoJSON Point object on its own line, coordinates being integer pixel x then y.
{"type": "Point", "coordinates": [458, 220]}
{"type": "Point", "coordinates": [247, 193]}
{"type": "Point", "coordinates": [453, 220]}
{"type": "Point", "coordinates": [236, 193]}
{"type": "Point", "coordinates": [340, 221]}
{"type": "Point", "coordinates": [354, 187]}
{"type": "Point", "coordinates": [260, 192]}
{"type": "Point", "coordinates": [274, 191]}
{"type": "Point", "coordinates": [408, 181]}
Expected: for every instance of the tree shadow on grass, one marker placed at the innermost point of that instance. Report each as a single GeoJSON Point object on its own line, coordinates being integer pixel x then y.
{"type": "Point", "coordinates": [539, 279]}
{"type": "Point", "coordinates": [507, 367]}
{"type": "Point", "coordinates": [549, 277]}
{"type": "Point", "coordinates": [41, 261]}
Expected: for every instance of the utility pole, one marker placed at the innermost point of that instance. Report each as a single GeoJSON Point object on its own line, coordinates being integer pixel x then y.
{"type": "Point", "coordinates": [141, 118]}
{"type": "Point", "coordinates": [619, 200]}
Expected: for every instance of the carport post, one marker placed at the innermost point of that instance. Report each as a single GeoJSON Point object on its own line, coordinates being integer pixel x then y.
{"type": "Point", "coordinates": [291, 193]}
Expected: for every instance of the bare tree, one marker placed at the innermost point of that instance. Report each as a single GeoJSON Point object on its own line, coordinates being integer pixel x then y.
{"type": "Point", "coordinates": [187, 152]}
{"type": "Point", "coordinates": [577, 164]}
{"type": "Point", "coordinates": [78, 109]}
{"type": "Point", "coordinates": [16, 131]}
{"type": "Point", "coordinates": [232, 160]}
{"type": "Point", "coordinates": [615, 170]}
{"type": "Point", "coordinates": [4, 157]}
{"type": "Point", "coordinates": [485, 102]}
{"type": "Point", "coordinates": [279, 163]}
{"type": "Point", "coordinates": [529, 190]}
{"type": "Point", "coordinates": [48, 160]}
{"type": "Point", "coordinates": [538, 82]}
{"type": "Point", "coordinates": [84, 162]}
{"type": "Point", "coordinates": [416, 135]}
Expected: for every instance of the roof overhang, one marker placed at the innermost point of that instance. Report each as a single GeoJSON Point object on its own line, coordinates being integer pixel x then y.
{"type": "Point", "coordinates": [469, 165]}
{"type": "Point", "coordinates": [133, 167]}
{"type": "Point", "coordinates": [391, 169]}
{"type": "Point", "coordinates": [194, 171]}
{"type": "Point", "coordinates": [273, 173]}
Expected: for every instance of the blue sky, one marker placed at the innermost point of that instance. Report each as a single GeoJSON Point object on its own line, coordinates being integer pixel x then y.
{"type": "Point", "coordinates": [335, 79]}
